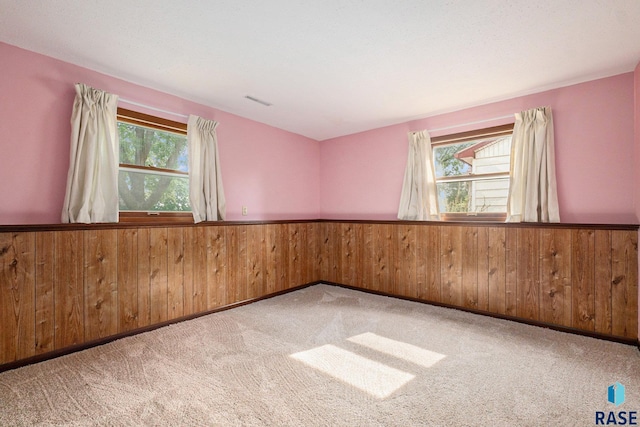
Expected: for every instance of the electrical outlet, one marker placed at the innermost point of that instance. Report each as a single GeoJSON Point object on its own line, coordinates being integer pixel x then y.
{"type": "Point", "coordinates": [244, 211]}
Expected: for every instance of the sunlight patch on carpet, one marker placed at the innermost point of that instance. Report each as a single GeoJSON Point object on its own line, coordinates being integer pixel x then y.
{"type": "Point", "coordinates": [372, 377]}
{"type": "Point", "coordinates": [399, 349]}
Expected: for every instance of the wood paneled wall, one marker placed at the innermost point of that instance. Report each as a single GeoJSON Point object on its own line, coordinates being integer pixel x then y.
{"type": "Point", "coordinates": [579, 278]}
{"type": "Point", "coordinates": [62, 287]}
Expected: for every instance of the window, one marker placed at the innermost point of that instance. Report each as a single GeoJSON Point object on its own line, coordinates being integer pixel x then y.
{"type": "Point", "coordinates": [472, 173]}
{"type": "Point", "coordinates": [153, 177]}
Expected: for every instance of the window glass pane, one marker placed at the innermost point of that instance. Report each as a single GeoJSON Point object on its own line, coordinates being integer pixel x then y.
{"type": "Point", "coordinates": [489, 195]}
{"type": "Point", "coordinates": [453, 196]}
{"type": "Point", "coordinates": [149, 147]}
{"type": "Point", "coordinates": [142, 191]}
{"type": "Point", "coordinates": [479, 196]}
{"type": "Point", "coordinates": [446, 163]}
{"type": "Point", "coordinates": [487, 155]}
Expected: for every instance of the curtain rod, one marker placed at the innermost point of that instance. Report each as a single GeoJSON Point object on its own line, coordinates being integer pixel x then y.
{"type": "Point", "coordinates": [152, 108]}
{"type": "Point", "coordinates": [470, 123]}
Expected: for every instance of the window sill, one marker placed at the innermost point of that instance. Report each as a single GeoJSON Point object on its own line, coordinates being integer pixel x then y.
{"type": "Point", "coordinates": [480, 217]}
{"type": "Point", "coordinates": [152, 218]}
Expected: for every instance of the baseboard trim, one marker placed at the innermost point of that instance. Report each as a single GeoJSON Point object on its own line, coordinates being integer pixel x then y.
{"type": "Point", "coordinates": [87, 345]}
{"type": "Point", "coordinates": [622, 340]}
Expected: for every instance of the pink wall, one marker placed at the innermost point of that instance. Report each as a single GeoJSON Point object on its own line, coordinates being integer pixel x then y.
{"type": "Point", "coordinates": [636, 170]}
{"type": "Point", "coordinates": [273, 172]}
{"type": "Point", "coordinates": [361, 174]}
{"type": "Point", "coordinates": [636, 157]}
{"type": "Point", "coordinates": [280, 175]}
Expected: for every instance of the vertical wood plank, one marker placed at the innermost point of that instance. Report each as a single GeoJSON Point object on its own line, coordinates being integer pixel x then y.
{"type": "Point", "coordinates": [282, 264]}
{"type": "Point", "coordinates": [528, 274]}
{"type": "Point", "coordinates": [302, 253]}
{"type": "Point", "coordinates": [384, 257]}
{"type": "Point", "coordinates": [273, 258]}
{"type": "Point", "coordinates": [583, 278]}
{"type": "Point", "coordinates": [511, 271]}
{"type": "Point", "coordinates": [428, 259]}
{"type": "Point", "coordinates": [358, 248]}
{"type": "Point", "coordinates": [175, 272]}
{"type": "Point", "coordinates": [347, 266]}
{"type": "Point", "coordinates": [555, 276]}
{"type": "Point", "coordinates": [306, 240]}
{"type": "Point", "coordinates": [100, 284]}
{"type": "Point", "coordinates": [188, 248]}
{"type": "Point", "coordinates": [310, 252]}
{"type": "Point", "coordinates": [451, 264]}
{"type": "Point", "coordinates": [25, 301]}
{"type": "Point", "coordinates": [405, 261]}
{"type": "Point", "coordinates": [68, 289]}
{"type": "Point", "coordinates": [327, 246]}
{"type": "Point", "coordinates": [236, 237]}
{"type": "Point", "coordinates": [603, 275]}
{"type": "Point", "coordinates": [335, 252]}
{"type": "Point", "coordinates": [45, 302]}
{"type": "Point", "coordinates": [350, 255]}
{"type": "Point", "coordinates": [497, 265]}
{"type": "Point", "coordinates": [199, 295]}
{"type": "Point", "coordinates": [316, 253]}
{"type": "Point", "coordinates": [368, 257]}
{"type": "Point", "coordinates": [217, 267]}
{"type": "Point", "coordinates": [144, 278]}
{"type": "Point", "coordinates": [422, 250]}
{"type": "Point", "coordinates": [158, 257]}
{"type": "Point", "coordinates": [295, 241]}
{"type": "Point", "coordinates": [483, 268]}
{"type": "Point", "coordinates": [470, 267]}
{"type": "Point", "coordinates": [323, 251]}
{"type": "Point", "coordinates": [564, 237]}
{"type": "Point", "coordinates": [256, 261]}
{"type": "Point", "coordinates": [17, 296]}
{"type": "Point", "coordinates": [127, 279]}
{"type": "Point", "coordinates": [624, 266]}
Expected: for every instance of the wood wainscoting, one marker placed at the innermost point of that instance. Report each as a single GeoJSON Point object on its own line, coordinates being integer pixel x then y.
{"type": "Point", "coordinates": [62, 286]}
{"type": "Point", "coordinates": [575, 277]}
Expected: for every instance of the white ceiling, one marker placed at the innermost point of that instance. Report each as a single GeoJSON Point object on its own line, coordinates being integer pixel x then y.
{"type": "Point", "coordinates": [335, 67]}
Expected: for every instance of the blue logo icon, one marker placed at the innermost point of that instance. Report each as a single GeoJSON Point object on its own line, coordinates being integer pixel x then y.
{"type": "Point", "coordinates": [615, 394]}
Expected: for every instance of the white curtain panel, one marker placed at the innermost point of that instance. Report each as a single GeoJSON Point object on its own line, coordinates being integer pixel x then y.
{"type": "Point", "coordinates": [92, 181]}
{"type": "Point", "coordinates": [533, 193]}
{"type": "Point", "coordinates": [205, 180]}
{"type": "Point", "coordinates": [419, 198]}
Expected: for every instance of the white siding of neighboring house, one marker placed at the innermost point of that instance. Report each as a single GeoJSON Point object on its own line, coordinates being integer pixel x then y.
{"type": "Point", "coordinates": [491, 195]}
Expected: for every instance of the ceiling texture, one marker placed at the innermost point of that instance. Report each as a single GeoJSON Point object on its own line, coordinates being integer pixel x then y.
{"type": "Point", "coordinates": [335, 67]}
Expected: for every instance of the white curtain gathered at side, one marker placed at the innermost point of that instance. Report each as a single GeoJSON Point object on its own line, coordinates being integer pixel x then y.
{"type": "Point", "coordinates": [92, 182]}
{"type": "Point", "coordinates": [206, 194]}
{"type": "Point", "coordinates": [419, 199]}
{"type": "Point", "coordinates": [533, 193]}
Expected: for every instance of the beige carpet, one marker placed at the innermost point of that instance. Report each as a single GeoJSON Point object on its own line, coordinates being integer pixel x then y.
{"type": "Point", "coordinates": [329, 356]}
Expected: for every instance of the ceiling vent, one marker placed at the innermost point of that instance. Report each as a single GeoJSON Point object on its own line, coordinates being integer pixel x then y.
{"type": "Point", "coordinates": [259, 101]}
